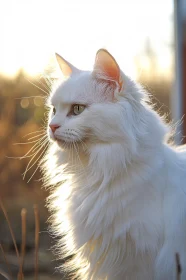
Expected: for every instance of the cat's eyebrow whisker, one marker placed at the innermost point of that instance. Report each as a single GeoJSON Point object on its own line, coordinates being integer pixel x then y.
{"type": "Point", "coordinates": [28, 97]}
{"type": "Point", "coordinates": [29, 166]}
{"type": "Point", "coordinates": [37, 86]}
{"type": "Point", "coordinates": [48, 81]}
{"type": "Point", "coordinates": [42, 154]}
{"type": "Point", "coordinates": [45, 86]}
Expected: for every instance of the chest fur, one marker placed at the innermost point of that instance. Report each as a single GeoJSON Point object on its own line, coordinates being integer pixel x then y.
{"type": "Point", "coordinates": [111, 215]}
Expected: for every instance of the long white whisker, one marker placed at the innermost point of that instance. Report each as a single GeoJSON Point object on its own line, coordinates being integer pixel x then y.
{"type": "Point", "coordinates": [48, 81]}
{"type": "Point", "coordinates": [33, 153]}
{"type": "Point", "coordinates": [44, 132]}
{"type": "Point", "coordinates": [43, 153]}
{"type": "Point", "coordinates": [27, 97]}
{"type": "Point", "coordinates": [28, 166]}
{"type": "Point", "coordinates": [35, 146]}
{"type": "Point", "coordinates": [37, 86]}
{"type": "Point", "coordinates": [44, 85]}
{"type": "Point", "coordinates": [25, 143]}
{"type": "Point", "coordinates": [33, 132]}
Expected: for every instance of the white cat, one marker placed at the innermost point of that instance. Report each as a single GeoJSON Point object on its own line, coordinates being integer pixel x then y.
{"type": "Point", "coordinates": [118, 188]}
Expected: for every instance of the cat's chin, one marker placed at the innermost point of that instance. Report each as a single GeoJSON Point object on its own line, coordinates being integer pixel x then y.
{"type": "Point", "coordinates": [70, 145]}
{"type": "Point", "coordinates": [63, 144]}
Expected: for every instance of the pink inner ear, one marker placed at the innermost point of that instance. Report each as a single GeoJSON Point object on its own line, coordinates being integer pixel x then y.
{"type": "Point", "coordinates": [107, 65]}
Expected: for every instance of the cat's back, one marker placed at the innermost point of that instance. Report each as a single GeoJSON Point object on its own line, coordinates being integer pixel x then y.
{"type": "Point", "coordinates": [174, 182]}
{"type": "Point", "coordinates": [175, 170]}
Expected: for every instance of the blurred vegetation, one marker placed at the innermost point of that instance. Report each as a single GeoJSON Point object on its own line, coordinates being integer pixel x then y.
{"type": "Point", "coordinates": [22, 112]}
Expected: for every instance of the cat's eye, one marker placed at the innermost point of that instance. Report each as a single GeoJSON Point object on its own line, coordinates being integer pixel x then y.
{"type": "Point", "coordinates": [54, 110]}
{"type": "Point", "coordinates": [78, 109]}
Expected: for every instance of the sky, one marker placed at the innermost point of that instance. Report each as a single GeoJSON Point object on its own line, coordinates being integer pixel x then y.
{"type": "Point", "coordinates": [32, 31]}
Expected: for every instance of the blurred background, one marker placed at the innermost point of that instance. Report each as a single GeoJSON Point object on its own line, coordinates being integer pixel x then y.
{"type": "Point", "coordinates": [147, 39]}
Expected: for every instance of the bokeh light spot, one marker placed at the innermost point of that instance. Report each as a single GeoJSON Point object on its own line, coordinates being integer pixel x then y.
{"type": "Point", "coordinates": [24, 103]}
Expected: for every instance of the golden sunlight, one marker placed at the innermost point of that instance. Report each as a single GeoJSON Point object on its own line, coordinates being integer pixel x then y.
{"type": "Point", "coordinates": [33, 30]}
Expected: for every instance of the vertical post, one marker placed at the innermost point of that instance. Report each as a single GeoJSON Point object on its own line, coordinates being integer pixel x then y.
{"type": "Point", "coordinates": [176, 101]}
{"type": "Point", "coordinates": [184, 73]}
{"type": "Point", "coordinates": [179, 92]}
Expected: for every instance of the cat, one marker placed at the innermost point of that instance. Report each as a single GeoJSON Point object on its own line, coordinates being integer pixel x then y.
{"type": "Point", "coordinates": [118, 188]}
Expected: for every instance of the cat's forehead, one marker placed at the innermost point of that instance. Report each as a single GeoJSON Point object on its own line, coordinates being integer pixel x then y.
{"type": "Point", "coordinates": [79, 89]}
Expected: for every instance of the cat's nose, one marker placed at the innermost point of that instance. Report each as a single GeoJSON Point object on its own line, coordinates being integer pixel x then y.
{"type": "Point", "coordinates": [54, 127]}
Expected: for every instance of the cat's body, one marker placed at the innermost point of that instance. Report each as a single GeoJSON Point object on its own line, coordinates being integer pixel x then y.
{"type": "Point", "coordinates": [120, 195]}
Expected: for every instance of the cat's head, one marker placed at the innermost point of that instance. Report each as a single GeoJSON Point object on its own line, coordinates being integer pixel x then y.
{"type": "Point", "coordinates": [101, 106]}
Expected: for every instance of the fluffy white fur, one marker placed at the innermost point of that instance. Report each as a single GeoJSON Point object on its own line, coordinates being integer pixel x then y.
{"type": "Point", "coordinates": [118, 188]}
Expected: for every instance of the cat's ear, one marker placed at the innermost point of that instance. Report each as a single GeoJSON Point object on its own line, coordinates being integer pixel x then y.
{"type": "Point", "coordinates": [66, 67]}
{"type": "Point", "coordinates": [106, 67]}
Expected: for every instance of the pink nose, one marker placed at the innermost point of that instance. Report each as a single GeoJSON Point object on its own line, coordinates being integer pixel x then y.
{"type": "Point", "coordinates": [54, 127]}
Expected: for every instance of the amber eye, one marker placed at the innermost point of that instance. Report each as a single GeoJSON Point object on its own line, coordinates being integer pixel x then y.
{"type": "Point", "coordinates": [54, 110]}
{"type": "Point", "coordinates": [78, 109]}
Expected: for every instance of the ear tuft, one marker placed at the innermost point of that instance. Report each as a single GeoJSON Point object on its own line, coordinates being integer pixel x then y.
{"type": "Point", "coordinates": [67, 68]}
{"type": "Point", "coordinates": [106, 66]}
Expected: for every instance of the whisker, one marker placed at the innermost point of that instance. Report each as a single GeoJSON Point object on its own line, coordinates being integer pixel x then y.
{"type": "Point", "coordinates": [49, 81]}
{"type": "Point", "coordinates": [35, 146]}
{"type": "Point", "coordinates": [44, 132]}
{"type": "Point", "coordinates": [27, 97]}
{"type": "Point", "coordinates": [33, 132]}
{"type": "Point", "coordinates": [37, 86]}
{"type": "Point", "coordinates": [25, 143]}
{"type": "Point", "coordinates": [36, 140]}
{"type": "Point", "coordinates": [28, 166]}
{"type": "Point", "coordinates": [42, 154]}
{"type": "Point", "coordinates": [44, 85]}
